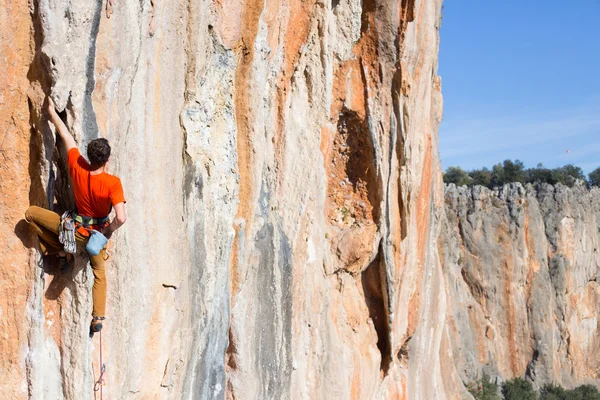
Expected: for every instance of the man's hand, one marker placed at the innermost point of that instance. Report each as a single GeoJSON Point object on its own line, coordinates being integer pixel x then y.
{"type": "Point", "coordinates": [61, 128]}
{"type": "Point", "coordinates": [117, 222]}
{"type": "Point", "coordinates": [52, 108]}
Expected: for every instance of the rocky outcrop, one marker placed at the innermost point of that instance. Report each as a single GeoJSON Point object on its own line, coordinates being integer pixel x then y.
{"type": "Point", "coordinates": [284, 199]}
{"type": "Point", "coordinates": [522, 270]}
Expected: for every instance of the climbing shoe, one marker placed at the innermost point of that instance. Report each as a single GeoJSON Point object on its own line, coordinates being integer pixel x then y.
{"type": "Point", "coordinates": [96, 325]}
{"type": "Point", "coordinates": [64, 263]}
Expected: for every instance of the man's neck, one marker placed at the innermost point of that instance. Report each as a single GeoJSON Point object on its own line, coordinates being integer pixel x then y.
{"type": "Point", "coordinates": [96, 170]}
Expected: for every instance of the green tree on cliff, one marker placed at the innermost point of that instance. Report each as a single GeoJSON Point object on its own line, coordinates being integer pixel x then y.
{"type": "Point", "coordinates": [508, 172]}
{"type": "Point", "coordinates": [556, 392]}
{"type": "Point", "coordinates": [484, 389]}
{"type": "Point", "coordinates": [569, 174]}
{"type": "Point", "coordinates": [585, 392]}
{"type": "Point", "coordinates": [553, 392]}
{"type": "Point", "coordinates": [595, 177]}
{"type": "Point", "coordinates": [514, 171]}
{"type": "Point", "coordinates": [457, 175]}
{"type": "Point", "coordinates": [540, 174]}
{"type": "Point", "coordinates": [518, 389]}
{"type": "Point", "coordinates": [482, 177]}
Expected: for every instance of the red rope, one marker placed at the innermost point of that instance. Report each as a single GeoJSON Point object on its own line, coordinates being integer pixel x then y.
{"type": "Point", "coordinates": [100, 382]}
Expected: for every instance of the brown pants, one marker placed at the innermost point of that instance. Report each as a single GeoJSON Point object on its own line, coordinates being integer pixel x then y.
{"type": "Point", "coordinates": [45, 224]}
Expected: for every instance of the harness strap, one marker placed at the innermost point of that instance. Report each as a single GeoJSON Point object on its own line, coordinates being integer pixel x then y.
{"type": "Point", "coordinates": [85, 220]}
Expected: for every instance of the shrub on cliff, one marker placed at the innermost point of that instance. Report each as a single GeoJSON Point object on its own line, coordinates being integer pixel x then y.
{"type": "Point", "coordinates": [595, 177]}
{"type": "Point", "coordinates": [457, 175]}
{"type": "Point", "coordinates": [484, 389]}
{"type": "Point", "coordinates": [568, 174]}
{"type": "Point", "coordinates": [585, 392]}
{"type": "Point", "coordinates": [481, 177]}
{"type": "Point", "coordinates": [508, 172]}
{"type": "Point", "coordinates": [514, 171]}
{"type": "Point", "coordinates": [553, 392]}
{"type": "Point", "coordinates": [540, 174]}
{"type": "Point", "coordinates": [518, 389]}
{"type": "Point", "coordinates": [556, 392]}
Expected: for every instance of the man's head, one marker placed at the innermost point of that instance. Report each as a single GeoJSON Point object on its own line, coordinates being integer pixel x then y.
{"type": "Point", "coordinates": [98, 151]}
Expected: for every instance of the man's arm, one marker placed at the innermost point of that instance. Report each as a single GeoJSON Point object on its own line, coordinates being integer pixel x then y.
{"type": "Point", "coordinates": [61, 128]}
{"type": "Point", "coordinates": [117, 222]}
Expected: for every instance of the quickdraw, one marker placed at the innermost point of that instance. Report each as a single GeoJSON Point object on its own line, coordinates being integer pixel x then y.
{"type": "Point", "coordinates": [66, 232]}
{"type": "Point", "coordinates": [109, 6]}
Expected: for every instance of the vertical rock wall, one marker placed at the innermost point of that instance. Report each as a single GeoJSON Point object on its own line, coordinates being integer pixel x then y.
{"type": "Point", "coordinates": [284, 199]}
{"type": "Point", "coordinates": [522, 269]}
{"type": "Point", "coordinates": [19, 275]}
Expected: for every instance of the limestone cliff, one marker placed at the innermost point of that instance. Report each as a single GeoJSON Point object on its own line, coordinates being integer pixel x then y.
{"type": "Point", "coordinates": [280, 163]}
{"type": "Point", "coordinates": [522, 269]}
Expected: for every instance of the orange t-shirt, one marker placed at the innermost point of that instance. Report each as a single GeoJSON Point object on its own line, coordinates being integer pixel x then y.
{"type": "Point", "coordinates": [94, 194]}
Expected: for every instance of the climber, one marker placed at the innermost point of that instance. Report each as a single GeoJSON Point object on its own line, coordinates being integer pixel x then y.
{"type": "Point", "coordinates": [95, 193]}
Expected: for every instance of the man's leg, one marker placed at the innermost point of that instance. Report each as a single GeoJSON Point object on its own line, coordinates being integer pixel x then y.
{"type": "Point", "coordinates": [99, 288]}
{"type": "Point", "coordinates": [45, 225]}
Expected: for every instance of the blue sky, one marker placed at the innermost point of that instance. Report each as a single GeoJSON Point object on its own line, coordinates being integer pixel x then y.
{"type": "Point", "coordinates": [521, 80]}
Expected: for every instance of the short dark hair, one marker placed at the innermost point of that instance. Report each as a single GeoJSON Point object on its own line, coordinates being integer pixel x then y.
{"type": "Point", "coordinates": [98, 151]}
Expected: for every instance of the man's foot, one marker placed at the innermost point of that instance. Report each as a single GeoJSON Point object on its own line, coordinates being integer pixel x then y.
{"type": "Point", "coordinates": [96, 325]}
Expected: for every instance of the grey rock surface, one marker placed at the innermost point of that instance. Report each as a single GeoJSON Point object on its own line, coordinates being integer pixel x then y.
{"type": "Point", "coordinates": [522, 269]}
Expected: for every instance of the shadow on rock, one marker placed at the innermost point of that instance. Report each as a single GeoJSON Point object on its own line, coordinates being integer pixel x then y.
{"type": "Point", "coordinates": [50, 264]}
{"type": "Point", "coordinates": [62, 279]}
{"type": "Point", "coordinates": [22, 232]}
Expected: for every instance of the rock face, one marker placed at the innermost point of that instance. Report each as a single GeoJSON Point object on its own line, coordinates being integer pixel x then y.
{"type": "Point", "coordinates": [284, 193]}
{"type": "Point", "coordinates": [286, 236]}
{"type": "Point", "coordinates": [522, 270]}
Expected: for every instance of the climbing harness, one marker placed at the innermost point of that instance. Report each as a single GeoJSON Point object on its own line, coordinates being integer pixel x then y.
{"type": "Point", "coordinates": [83, 224]}
{"type": "Point", "coordinates": [97, 240]}
{"type": "Point", "coordinates": [100, 382]}
{"type": "Point", "coordinates": [109, 5]}
{"type": "Point", "coordinates": [66, 232]}
{"type": "Point", "coordinates": [87, 221]}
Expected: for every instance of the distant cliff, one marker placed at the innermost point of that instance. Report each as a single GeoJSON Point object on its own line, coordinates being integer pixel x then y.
{"type": "Point", "coordinates": [522, 272]}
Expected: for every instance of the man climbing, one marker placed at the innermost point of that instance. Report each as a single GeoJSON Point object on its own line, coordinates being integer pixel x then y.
{"type": "Point", "coordinates": [95, 193]}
